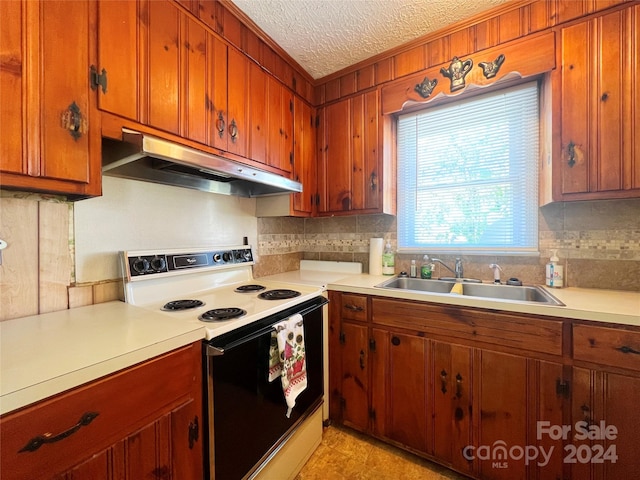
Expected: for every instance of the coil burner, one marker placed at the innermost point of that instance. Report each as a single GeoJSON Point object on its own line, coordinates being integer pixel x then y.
{"type": "Point", "coordinates": [177, 305]}
{"type": "Point", "coordinates": [219, 314]}
{"type": "Point", "coordinates": [249, 288]}
{"type": "Point", "coordinates": [278, 294]}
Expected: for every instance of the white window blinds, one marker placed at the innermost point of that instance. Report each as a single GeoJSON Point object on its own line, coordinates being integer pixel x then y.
{"type": "Point", "coordinates": [468, 175]}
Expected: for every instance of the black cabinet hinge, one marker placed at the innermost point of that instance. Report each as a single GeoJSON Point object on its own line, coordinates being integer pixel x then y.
{"type": "Point", "coordinates": [194, 432]}
{"type": "Point", "coordinates": [562, 387]}
{"type": "Point", "coordinates": [341, 337]}
{"type": "Point", "coordinates": [97, 79]}
{"type": "Point", "coordinates": [372, 344]}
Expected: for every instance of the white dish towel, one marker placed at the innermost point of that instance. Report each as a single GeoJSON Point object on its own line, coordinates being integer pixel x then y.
{"type": "Point", "coordinates": [292, 366]}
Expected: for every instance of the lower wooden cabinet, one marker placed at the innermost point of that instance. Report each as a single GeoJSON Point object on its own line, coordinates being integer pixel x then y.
{"type": "Point", "coordinates": [489, 394]}
{"type": "Point", "coordinates": [142, 422]}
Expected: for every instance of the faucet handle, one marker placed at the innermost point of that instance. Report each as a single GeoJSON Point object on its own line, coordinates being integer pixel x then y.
{"type": "Point", "coordinates": [496, 272]}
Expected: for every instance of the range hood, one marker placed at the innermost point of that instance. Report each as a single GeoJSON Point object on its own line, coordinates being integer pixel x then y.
{"type": "Point", "coordinates": [151, 159]}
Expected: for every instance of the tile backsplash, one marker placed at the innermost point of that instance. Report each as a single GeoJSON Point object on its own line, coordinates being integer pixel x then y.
{"type": "Point", "coordinates": [597, 241]}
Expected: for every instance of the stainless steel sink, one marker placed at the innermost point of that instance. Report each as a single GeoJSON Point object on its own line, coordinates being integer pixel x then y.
{"type": "Point", "coordinates": [511, 293]}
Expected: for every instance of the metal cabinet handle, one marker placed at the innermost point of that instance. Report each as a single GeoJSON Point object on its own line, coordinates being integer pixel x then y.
{"type": "Point", "coordinates": [374, 181]}
{"type": "Point", "coordinates": [362, 365]}
{"type": "Point", "coordinates": [36, 442]}
{"type": "Point", "coordinates": [395, 340]}
{"type": "Point", "coordinates": [571, 153]}
{"type": "Point", "coordinates": [220, 124]}
{"type": "Point", "coordinates": [73, 120]}
{"type": "Point", "coordinates": [233, 131]}
{"type": "Point", "coordinates": [354, 308]}
{"type": "Point", "coordinates": [443, 379]}
{"type": "Point", "coordinates": [458, 386]}
{"type": "Point", "coordinates": [625, 349]}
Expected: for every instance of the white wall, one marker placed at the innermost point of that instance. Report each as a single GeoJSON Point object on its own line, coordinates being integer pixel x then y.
{"type": "Point", "coordinates": [133, 215]}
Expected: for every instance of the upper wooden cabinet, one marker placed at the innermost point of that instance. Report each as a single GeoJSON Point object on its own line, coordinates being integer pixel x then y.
{"type": "Point", "coordinates": [352, 172]}
{"type": "Point", "coordinates": [597, 105]}
{"type": "Point", "coordinates": [50, 127]}
{"type": "Point", "coordinates": [303, 168]}
{"type": "Point", "coordinates": [181, 78]}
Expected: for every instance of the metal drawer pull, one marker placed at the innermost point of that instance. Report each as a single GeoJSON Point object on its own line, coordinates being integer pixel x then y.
{"type": "Point", "coordinates": [626, 349]}
{"type": "Point", "coordinates": [354, 308]}
{"type": "Point", "coordinates": [36, 442]}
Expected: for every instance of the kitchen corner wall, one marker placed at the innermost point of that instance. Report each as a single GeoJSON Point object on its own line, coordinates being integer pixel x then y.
{"type": "Point", "coordinates": [597, 241]}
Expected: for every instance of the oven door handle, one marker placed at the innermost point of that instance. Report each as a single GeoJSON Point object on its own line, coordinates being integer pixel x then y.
{"type": "Point", "coordinates": [213, 351]}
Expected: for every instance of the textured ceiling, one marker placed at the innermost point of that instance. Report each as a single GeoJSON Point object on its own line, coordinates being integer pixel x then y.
{"type": "Point", "coordinates": [324, 36]}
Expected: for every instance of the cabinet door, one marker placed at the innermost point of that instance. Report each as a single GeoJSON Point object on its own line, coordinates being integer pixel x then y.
{"type": "Point", "coordinates": [280, 126]}
{"type": "Point", "coordinates": [605, 403]}
{"type": "Point", "coordinates": [304, 164]}
{"type": "Point", "coordinates": [355, 376]}
{"type": "Point", "coordinates": [335, 187]}
{"type": "Point", "coordinates": [259, 124]}
{"type": "Point", "coordinates": [513, 394]}
{"type": "Point", "coordinates": [599, 107]}
{"type": "Point", "coordinates": [400, 384]}
{"type": "Point", "coordinates": [365, 184]}
{"type": "Point", "coordinates": [12, 67]}
{"type": "Point", "coordinates": [163, 33]}
{"type": "Point", "coordinates": [117, 28]}
{"type": "Point", "coordinates": [196, 104]}
{"type": "Point", "coordinates": [237, 102]}
{"type": "Point", "coordinates": [217, 75]}
{"type": "Point", "coordinates": [52, 137]}
{"type": "Point", "coordinates": [451, 403]}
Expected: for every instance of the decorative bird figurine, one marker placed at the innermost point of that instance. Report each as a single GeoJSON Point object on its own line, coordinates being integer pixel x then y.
{"type": "Point", "coordinates": [490, 69]}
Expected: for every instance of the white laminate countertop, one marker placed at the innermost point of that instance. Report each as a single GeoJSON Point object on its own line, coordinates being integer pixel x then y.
{"type": "Point", "coordinates": [609, 306]}
{"type": "Point", "coordinates": [46, 354]}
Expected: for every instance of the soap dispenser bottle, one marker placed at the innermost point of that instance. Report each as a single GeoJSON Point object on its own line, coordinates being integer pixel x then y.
{"type": "Point", "coordinates": [388, 260]}
{"type": "Point", "coordinates": [426, 268]}
{"type": "Point", "coordinates": [554, 271]}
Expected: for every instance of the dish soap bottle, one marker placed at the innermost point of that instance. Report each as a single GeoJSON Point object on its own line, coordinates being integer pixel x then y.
{"type": "Point", "coordinates": [413, 272]}
{"type": "Point", "coordinates": [426, 268]}
{"type": "Point", "coordinates": [388, 260]}
{"type": "Point", "coordinates": [554, 271]}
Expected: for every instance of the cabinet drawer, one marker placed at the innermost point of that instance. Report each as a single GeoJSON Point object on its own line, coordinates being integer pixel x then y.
{"type": "Point", "coordinates": [472, 325]}
{"type": "Point", "coordinates": [354, 307]}
{"type": "Point", "coordinates": [123, 402]}
{"type": "Point", "coordinates": [607, 346]}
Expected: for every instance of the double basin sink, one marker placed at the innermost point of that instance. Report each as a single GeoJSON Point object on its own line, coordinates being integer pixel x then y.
{"type": "Point", "coordinates": [511, 293]}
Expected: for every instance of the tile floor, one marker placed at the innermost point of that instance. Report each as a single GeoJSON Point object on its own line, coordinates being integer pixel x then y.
{"type": "Point", "coordinates": [345, 454]}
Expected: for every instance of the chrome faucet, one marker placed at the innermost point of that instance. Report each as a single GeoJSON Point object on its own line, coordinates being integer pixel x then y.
{"type": "Point", "coordinates": [458, 271]}
{"type": "Point", "coordinates": [496, 272]}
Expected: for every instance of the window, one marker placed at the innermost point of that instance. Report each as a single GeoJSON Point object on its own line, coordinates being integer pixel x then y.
{"type": "Point", "coordinates": [468, 175]}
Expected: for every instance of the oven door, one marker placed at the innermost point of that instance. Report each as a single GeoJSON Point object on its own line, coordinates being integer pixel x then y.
{"type": "Point", "coordinates": [246, 413]}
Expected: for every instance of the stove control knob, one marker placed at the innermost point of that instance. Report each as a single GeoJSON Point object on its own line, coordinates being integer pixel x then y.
{"type": "Point", "coordinates": [158, 264]}
{"type": "Point", "coordinates": [217, 257]}
{"type": "Point", "coordinates": [140, 265]}
{"type": "Point", "coordinates": [227, 256]}
{"type": "Point", "coordinates": [246, 255]}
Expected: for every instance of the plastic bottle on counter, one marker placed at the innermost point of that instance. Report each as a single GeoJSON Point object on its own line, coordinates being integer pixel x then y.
{"type": "Point", "coordinates": [413, 273]}
{"type": "Point", "coordinates": [426, 268]}
{"type": "Point", "coordinates": [554, 271]}
{"type": "Point", "coordinates": [388, 260]}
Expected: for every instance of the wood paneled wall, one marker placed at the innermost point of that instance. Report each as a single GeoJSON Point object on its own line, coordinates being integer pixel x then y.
{"type": "Point", "coordinates": [502, 24]}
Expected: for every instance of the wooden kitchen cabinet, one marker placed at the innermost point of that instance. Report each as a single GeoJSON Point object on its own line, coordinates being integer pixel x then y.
{"type": "Point", "coordinates": [399, 387]}
{"type": "Point", "coordinates": [444, 381]}
{"type": "Point", "coordinates": [350, 173]}
{"type": "Point", "coordinates": [304, 150]}
{"type": "Point", "coordinates": [50, 127]}
{"type": "Point", "coordinates": [450, 395]}
{"type": "Point", "coordinates": [142, 422]}
{"type": "Point", "coordinates": [597, 94]}
{"type": "Point", "coordinates": [606, 393]}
